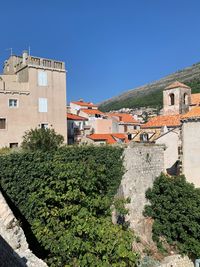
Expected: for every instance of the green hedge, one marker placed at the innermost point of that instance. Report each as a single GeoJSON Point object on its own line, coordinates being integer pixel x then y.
{"type": "Point", "coordinates": [66, 197]}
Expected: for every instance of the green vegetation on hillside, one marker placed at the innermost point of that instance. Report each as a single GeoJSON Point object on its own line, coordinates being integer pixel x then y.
{"type": "Point", "coordinates": [66, 195]}
{"type": "Point", "coordinates": [151, 99]}
{"type": "Point", "coordinates": [175, 208]}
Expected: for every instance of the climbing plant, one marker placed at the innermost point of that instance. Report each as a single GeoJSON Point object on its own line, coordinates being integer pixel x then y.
{"type": "Point", "coordinates": [66, 197]}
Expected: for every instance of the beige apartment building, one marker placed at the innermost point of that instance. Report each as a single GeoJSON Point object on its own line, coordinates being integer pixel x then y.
{"type": "Point", "coordinates": [32, 94]}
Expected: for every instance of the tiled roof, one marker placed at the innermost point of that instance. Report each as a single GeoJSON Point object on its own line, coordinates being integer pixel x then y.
{"type": "Point", "coordinates": [159, 121]}
{"type": "Point", "coordinates": [195, 99]}
{"type": "Point", "coordinates": [193, 113]}
{"type": "Point", "coordinates": [84, 104]}
{"type": "Point", "coordinates": [75, 117]}
{"type": "Point", "coordinates": [176, 85]}
{"type": "Point", "coordinates": [123, 117]}
{"type": "Point", "coordinates": [92, 111]}
{"type": "Point", "coordinates": [109, 138]}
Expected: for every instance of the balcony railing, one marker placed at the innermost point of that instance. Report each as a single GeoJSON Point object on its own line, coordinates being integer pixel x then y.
{"type": "Point", "coordinates": [41, 62]}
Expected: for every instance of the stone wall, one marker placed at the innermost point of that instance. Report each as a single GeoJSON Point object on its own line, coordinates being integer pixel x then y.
{"type": "Point", "coordinates": [191, 150]}
{"type": "Point", "coordinates": [176, 261]}
{"type": "Point", "coordinates": [143, 163]}
{"type": "Point", "coordinates": [13, 245]}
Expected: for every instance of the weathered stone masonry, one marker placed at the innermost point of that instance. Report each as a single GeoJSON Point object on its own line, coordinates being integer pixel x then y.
{"type": "Point", "coordinates": [14, 249]}
{"type": "Point", "coordinates": [143, 163]}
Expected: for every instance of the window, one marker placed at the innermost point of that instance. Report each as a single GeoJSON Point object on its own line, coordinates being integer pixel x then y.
{"type": "Point", "coordinates": [144, 137]}
{"type": "Point", "coordinates": [13, 145]}
{"type": "Point", "coordinates": [13, 103]}
{"type": "Point", "coordinates": [44, 125]}
{"type": "Point", "coordinates": [172, 99]}
{"type": "Point", "coordinates": [42, 78]}
{"type": "Point", "coordinates": [42, 104]}
{"type": "Point", "coordinates": [185, 99]}
{"type": "Point", "coordinates": [2, 123]}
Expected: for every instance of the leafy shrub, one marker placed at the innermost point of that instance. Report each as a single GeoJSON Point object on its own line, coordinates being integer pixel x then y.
{"type": "Point", "coordinates": [42, 139]}
{"type": "Point", "coordinates": [66, 196]}
{"type": "Point", "coordinates": [175, 208]}
{"type": "Point", "coordinates": [5, 150]}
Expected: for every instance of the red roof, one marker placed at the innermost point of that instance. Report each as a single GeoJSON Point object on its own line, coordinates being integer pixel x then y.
{"type": "Point", "coordinates": [84, 104]}
{"type": "Point", "coordinates": [123, 117]}
{"type": "Point", "coordinates": [176, 85]}
{"type": "Point", "coordinates": [75, 117]}
{"type": "Point", "coordinates": [92, 111]}
{"type": "Point", "coordinates": [193, 113]}
{"type": "Point", "coordinates": [167, 120]}
{"type": "Point", "coordinates": [195, 99]}
{"type": "Point", "coordinates": [109, 138]}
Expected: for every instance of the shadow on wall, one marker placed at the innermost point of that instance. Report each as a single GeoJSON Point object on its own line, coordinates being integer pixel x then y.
{"type": "Point", "coordinates": [32, 241]}
{"type": "Point", "coordinates": [8, 257]}
{"type": "Point", "coordinates": [174, 169]}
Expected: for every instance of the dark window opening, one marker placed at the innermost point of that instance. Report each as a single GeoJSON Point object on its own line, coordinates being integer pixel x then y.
{"type": "Point", "coordinates": [172, 99]}
{"type": "Point", "coordinates": [129, 136]}
{"type": "Point", "coordinates": [2, 123]}
{"type": "Point", "coordinates": [97, 116]}
{"type": "Point", "coordinates": [144, 137]}
{"type": "Point", "coordinates": [44, 125]}
{"type": "Point", "coordinates": [13, 145]}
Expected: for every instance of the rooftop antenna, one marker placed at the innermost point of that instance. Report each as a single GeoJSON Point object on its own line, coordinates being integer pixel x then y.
{"type": "Point", "coordinates": [11, 50]}
{"type": "Point", "coordinates": [29, 50]}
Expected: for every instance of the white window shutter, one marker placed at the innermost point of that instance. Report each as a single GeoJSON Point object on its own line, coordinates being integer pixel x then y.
{"type": "Point", "coordinates": [42, 105]}
{"type": "Point", "coordinates": [42, 78]}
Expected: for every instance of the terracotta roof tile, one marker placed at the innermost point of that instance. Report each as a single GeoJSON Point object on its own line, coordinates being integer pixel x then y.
{"type": "Point", "coordinates": [75, 117]}
{"type": "Point", "coordinates": [92, 111]}
{"type": "Point", "coordinates": [195, 99]}
{"type": "Point", "coordinates": [176, 84]}
{"type": "Point", "coordinates": [159, 121]}
{"type": "Point", "coordinates": [193, 113]}
{"type": "Point", "coordinates": [109, 138]}
{"type": "Point", "coordinates": [84, 104]}
{"type": "Point", "coordinates": [123, 117]}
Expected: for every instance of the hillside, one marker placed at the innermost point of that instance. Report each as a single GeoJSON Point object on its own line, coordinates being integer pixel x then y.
{"type": "Point", "coordinates": [150, 95]}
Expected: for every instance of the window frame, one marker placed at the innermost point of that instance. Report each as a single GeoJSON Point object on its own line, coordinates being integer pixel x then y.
{"type": "Point", "coordinates": [13, 99]}
{"type": "Point", "coordinates": [5, 123]}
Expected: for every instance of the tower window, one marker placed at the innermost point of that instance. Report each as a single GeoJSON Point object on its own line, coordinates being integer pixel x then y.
{"type": "Point", "coordinates": [172, 99]}
{"type": "Point", "coordinates": [42, 78]}
{"type": "Point", "coordinates": [185, 99]}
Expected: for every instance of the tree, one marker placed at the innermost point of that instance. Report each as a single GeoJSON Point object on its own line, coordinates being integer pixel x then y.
{"type": "Point", "coordinates": [175, 208]}
{"type": "Point", "coordinates": [41, 139]}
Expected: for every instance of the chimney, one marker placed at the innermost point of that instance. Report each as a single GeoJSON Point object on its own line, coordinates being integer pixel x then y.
{"type": "Point", "coordinates": [24, 56]}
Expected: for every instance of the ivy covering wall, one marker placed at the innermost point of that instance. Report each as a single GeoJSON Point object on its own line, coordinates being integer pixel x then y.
{"type": "Point", "coordinates": [66, 197]}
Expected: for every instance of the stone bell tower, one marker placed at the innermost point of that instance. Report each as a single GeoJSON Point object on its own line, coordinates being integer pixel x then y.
{"type": "Point", "coordinates": [176, 99]}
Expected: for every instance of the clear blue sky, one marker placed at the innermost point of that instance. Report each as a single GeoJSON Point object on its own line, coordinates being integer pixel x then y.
{"type": "Point", "coordinates": [109, 46]}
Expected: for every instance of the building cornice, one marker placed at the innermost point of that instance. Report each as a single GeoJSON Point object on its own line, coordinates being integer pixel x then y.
{"type": "Point", "coordinates": [12, 92]}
